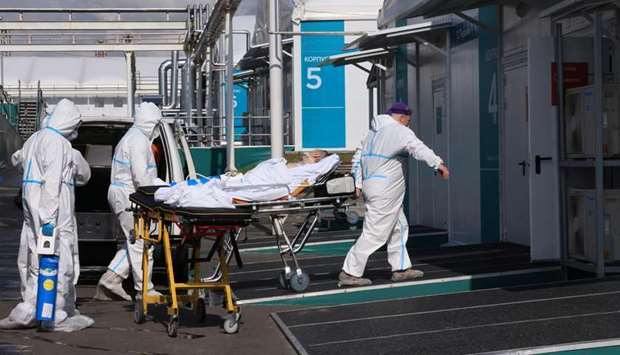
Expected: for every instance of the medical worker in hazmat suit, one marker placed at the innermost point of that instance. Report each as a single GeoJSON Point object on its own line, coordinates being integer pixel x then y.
{"type": "Point", "coordinates": [378, 167]}
{"type": "Point", "coordinates": [51, 170]}
{"type": "Point", "coordinates": [133, 166]}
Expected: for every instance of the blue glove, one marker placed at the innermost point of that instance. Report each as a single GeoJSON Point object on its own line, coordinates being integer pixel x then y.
{"type": "Point", "coordinates": [203, 180]}
{"type": "Point", "coordinates": [192, 182]}
{"type": "Point", "coordinates": [173, 183]}
{"type": "Point", "coordinates": [47, 229]}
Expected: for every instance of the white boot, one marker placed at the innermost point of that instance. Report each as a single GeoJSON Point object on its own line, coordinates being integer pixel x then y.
{"type": "Point", "coordinates": [110, 288]}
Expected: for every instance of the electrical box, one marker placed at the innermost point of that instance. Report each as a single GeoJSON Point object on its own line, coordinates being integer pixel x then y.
{"type": "Point", "coordinates": [582, 225]}
{"type": "Point", "coordinates": [580, 123]}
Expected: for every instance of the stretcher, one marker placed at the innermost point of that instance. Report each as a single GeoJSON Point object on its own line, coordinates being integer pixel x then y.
{"type": "Point", "coordinates": [329, 193]}
{"type": "Point", "coordinates": [195, 224]}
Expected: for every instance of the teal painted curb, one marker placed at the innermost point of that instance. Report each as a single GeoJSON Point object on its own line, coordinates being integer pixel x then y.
{"type": "Point", "coordinates": [341, 249]}
{"type": "Point", "coordinates": [423, 289]}
{"type": "Point", "coordinates": [609, 350]}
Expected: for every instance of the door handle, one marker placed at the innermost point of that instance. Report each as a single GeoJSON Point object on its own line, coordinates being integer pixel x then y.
{"type": "Point", "coordinates": [538, 159]}
{"type": "Point", "coordinates": [523, 164]}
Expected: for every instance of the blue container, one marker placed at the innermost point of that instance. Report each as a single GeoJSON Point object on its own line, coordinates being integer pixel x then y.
{"type": "Point", "coordinates": [46, 290]}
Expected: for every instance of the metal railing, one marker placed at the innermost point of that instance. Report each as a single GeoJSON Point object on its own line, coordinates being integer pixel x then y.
{"type": "Point", "coordinates": [210, 131]}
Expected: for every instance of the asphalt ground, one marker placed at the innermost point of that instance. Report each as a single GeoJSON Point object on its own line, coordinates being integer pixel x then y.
{"type": "Point", "coordinates": [115, 332]}
{"type": "Point", "coordinates": [463, 323]}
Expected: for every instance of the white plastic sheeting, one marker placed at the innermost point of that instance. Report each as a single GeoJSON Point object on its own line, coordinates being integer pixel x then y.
{"type": "Point", "coordinates": [74, 71]}
{"type": "Point", "coordinates": [270, 180]}
{"type": "Point", "coordinates": [314, 10]}
{"type": "Point", "coordinates": [310, 10]}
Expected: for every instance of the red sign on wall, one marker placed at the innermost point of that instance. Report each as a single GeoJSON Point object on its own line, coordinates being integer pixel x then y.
{"type": "Point", "coordinates": [575, 75]}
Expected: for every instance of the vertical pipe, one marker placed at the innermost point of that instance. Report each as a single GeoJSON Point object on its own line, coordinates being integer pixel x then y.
{"type": "Point", "coordinates": [418, 125]}
{"type": "Point", "coordinates": [188, 89]}
{"type": "Point", "coordinates": [499, 114]}
{"type": "Point", "coordinates": [166, 93]}
{"type": "Point", "coordinates": [174, 78]}
{"type": "Point", "coordinates": [208, 89]}
{"type": "Point", "coordinates": [199, 94]}
{"type": "Point", "coordinates": [131, 87]}
{"type": "Point", "coordinates": [275, 82]}
{"type": "Point", "coordinates": [230, 114]}
{"type": "Point", "coordinates": [449, 128]}
{"type": "Point", "coordinates": [559, 59]}
{"type": "Point", "coordinates": [598, 114]}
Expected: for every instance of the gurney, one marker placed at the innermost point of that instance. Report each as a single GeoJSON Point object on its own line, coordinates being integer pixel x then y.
{"type": "Point", "coordinates": [195, 224]}
{"type": "Point", "coordinates": [329, 193]}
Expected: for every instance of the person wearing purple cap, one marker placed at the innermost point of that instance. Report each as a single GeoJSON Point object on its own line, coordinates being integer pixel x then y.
{"type": "Point", "coordinates": [378, 167]}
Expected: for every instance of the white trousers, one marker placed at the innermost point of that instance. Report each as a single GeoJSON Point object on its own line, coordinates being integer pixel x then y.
{"type": "Point", "coordinates": [382, 225]}
{"type": "Point", "coordinates": [130, 256]}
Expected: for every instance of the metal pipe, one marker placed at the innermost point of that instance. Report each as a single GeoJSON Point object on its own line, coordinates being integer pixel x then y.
{"type": "Point", "coordinates": [499, 116]}
{"type": "Point", "coordinates": [208, 89]}
{"type": "Point", "coordinates": [131, 87]}
{"type": "Point", "coordinates": [163, 80]}
{"type": "Point", "coordinates": [247, 35]}
{"type": "Point", "coordinates": [418, 125]}
{"type": "Point", "coordinates": [95, 10]}
{"type": "Point", "coordinates": [559, 59]}
{"type": "Point", "coordinates": [319, 33]}
{"type": "Point", "coordinates": [599, 172]}
{"type": "Point", "coordinates": [230, 114]}
{"type": "Point", "coordinates": [188, 89]}
{"type": "Point", "coordinates": [199, 92]}
{"type": "Point", "coordinates": [275, 82]}
{"type": "Point", "coordinates": [174, 78]}
{"type": "Point", "coordinates": [449, 129]}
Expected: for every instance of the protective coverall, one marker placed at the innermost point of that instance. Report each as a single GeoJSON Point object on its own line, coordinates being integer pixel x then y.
{"type": "Point", "coordinates": [133, 166]}
{"type": "Point", "coordinates": [51, 169]}
{"type": "Point", "coordinates": [378, 168]}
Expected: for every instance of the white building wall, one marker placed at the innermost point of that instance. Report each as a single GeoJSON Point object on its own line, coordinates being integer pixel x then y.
{"type": "Point", "coordinates": [465, 148]}
{"type": "Point", "coordinates": [356, 93]}
{"type": "Point", "coordinates": [428, 193]}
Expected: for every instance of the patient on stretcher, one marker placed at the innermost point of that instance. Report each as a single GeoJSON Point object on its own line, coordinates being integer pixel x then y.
{"type": "Point", "coordinates": [270, 180]}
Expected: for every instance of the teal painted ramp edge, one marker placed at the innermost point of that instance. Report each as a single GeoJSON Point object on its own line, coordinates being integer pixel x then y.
{"type": "Point", "coordinates": [417, 289]}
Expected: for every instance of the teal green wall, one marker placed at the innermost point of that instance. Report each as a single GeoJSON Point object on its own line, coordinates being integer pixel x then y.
{"type": "Point", "coordinates": [11, 113]}
{"type": "Point", "coordinates": [489, 131]}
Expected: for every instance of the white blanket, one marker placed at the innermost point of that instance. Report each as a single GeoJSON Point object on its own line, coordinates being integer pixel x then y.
{"type": "Point", "coordinates": [269, 180]}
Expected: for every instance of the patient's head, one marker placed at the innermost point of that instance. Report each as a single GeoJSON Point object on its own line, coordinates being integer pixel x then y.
{"type": "Point", "coordinates": [314, 156]}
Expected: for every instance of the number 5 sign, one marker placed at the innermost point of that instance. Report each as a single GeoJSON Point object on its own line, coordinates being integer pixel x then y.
{"type": "Point", "coordinates": [313, 78]}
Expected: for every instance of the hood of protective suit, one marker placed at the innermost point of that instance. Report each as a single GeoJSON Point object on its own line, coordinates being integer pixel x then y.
{"type": "Point", "coordinates": [65, 118]}
{"type": "Point", "coordinates": [381, 121]}
{"type": "Point", "coordinates": [147, 117]}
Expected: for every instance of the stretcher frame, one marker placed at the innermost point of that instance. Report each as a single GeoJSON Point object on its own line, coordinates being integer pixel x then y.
{"type": "Point", "coordinates": [193, 230]}
{"type": "Point", "coordinates": [293, 278]}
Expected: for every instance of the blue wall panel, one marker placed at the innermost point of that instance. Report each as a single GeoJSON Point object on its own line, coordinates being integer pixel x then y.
{"type": "Point", "coordinates": [323, 93]}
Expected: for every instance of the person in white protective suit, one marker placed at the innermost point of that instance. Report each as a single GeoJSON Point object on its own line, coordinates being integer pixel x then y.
{"type": "Point", "coordinates": [378, 167]}
{"type": "Point", "coordinates": [51, 169]}
{"type": "Point", "coordinates": [133, 166]}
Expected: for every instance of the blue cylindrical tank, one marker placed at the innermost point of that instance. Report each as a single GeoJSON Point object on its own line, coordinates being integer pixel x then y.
{"type": "Point", "coordinates": [46, 290]}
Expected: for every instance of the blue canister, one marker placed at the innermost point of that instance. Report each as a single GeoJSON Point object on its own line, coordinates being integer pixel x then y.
{"type": "Point", "coordinates": [46, 289]}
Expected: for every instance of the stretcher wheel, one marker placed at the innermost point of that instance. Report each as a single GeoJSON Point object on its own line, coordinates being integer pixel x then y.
{"type": "Point", "coordinates": [283, 280]}
{"type": "Point", "coordinates": [173, 326]}
{"type": "Point", "coordinates": [231, 323]}
{"type": "Point", "coordinates": [200, 310]}
{"type": "Point", "coordinates": [299, 282]}
{"type": "Point", "coordinates": [138, 312]}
